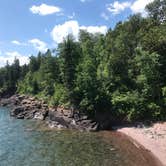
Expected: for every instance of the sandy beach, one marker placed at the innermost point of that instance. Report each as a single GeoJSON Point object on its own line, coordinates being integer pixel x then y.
{"type": "Point", "coordinates": [152, 138]}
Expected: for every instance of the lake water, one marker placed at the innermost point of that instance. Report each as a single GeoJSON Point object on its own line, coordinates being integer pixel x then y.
{"type": "Point", "coordinates": [30, 143]}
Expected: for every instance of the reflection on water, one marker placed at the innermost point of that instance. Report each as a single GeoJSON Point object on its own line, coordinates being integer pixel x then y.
{"type": "Point", "coordinates": [24, 143]}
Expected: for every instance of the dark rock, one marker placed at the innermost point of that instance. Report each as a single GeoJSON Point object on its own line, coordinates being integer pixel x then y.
{"type": "Point", "coordinates": [16, 111]}
{"type": "Point", "coordinates": [25, 107]}
{"type": "Point", "coordinates": [21, 97]}
{"type": "Point", "coordinates": [45, 114]}
{"type": "Point", "coordinates": [4, 104]}
{"type": "Point", "coordinates": [61, 121]}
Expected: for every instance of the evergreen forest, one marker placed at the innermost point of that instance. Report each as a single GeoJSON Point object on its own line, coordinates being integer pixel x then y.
{"type": "Point", "coordinates": [122, 72]}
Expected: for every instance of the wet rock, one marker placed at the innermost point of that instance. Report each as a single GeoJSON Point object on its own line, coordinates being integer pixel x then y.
{"type": "Point", "coordinates": [54, 124]}
{"type": "Point", "coordinates": [16, 111]}
{"type": "Point", "coordinates": [45, 114]}
{"type": "Point", "coordinates": [4, 102]}
{"type": "Point", "coordinates": [39, 116]}
{"type": "Point", "coordinates": [20, 117]}
{"type": "Point", "coordinates": [25, 107]}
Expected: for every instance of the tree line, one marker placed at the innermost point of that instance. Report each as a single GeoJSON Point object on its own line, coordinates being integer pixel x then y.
{"type": "Point", "coordinates": [122, 72]}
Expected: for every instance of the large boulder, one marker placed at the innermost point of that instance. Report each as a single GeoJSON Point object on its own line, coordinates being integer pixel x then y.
{"type": "Point", "coordinates": [57, 116]}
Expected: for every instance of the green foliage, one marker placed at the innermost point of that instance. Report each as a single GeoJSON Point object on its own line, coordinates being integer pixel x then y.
{"type": "Point", "coordinates": [29, 85]}
{"type": "Point", "coordinates": [122, 73]}
{"type": "Point", "coordinates": [164, 94]}
{"type": "Point", "coordinates": [60, 96]}
{"type": "Point", "coordinates": [69, 54]}
{"type": "Point", "coordinates": [157, 10]}
{"type": "Point", "coordinates": [128, 105]}
{"type": "Point", "coordinates": [9, 76]}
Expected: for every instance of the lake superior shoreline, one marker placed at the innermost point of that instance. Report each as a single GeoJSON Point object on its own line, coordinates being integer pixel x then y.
{"type": "Point", "coordinates": [29, 107]}
{"type": "Point", "coordinates": [151, 138]}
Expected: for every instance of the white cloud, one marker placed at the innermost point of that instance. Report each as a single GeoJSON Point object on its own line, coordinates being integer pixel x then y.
{"type": "Point", "coordinates": [117, 7]}
{"type": "Point", "coordinates": [61, 31]}
{"type": "Point", "coordinates": [10, 56]}
{"type": "Point", "coordinates": [44, 9]}
{"type": "Point", "coordinates": [105, 16]}
{"type": "Point", "coordinates": [95, 29]}
{"type": "Point", "coordinates": [18, 43]}
{"type": "Point", "coordinates": [139, 6]}
{"type": "Point", "coordinates": [38, 45]}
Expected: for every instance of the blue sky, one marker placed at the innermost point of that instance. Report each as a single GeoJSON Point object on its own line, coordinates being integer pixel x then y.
{"type": "Point", "coordinates": [29, 26]}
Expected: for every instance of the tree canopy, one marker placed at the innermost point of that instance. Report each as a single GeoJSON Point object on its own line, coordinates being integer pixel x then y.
{"type": "Point", "coordinates": [122, 72]}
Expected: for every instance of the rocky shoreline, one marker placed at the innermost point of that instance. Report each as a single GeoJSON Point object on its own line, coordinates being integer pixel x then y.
{"type": "Point", "coordinates": [27, 107]}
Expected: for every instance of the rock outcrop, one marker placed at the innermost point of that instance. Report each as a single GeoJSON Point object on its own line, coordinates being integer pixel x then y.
{"type": "Point", "coordinates": [25, 107]}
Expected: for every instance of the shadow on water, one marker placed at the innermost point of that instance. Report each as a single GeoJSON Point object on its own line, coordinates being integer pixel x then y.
{"type": "Point", "coordinates": [29, 143]}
